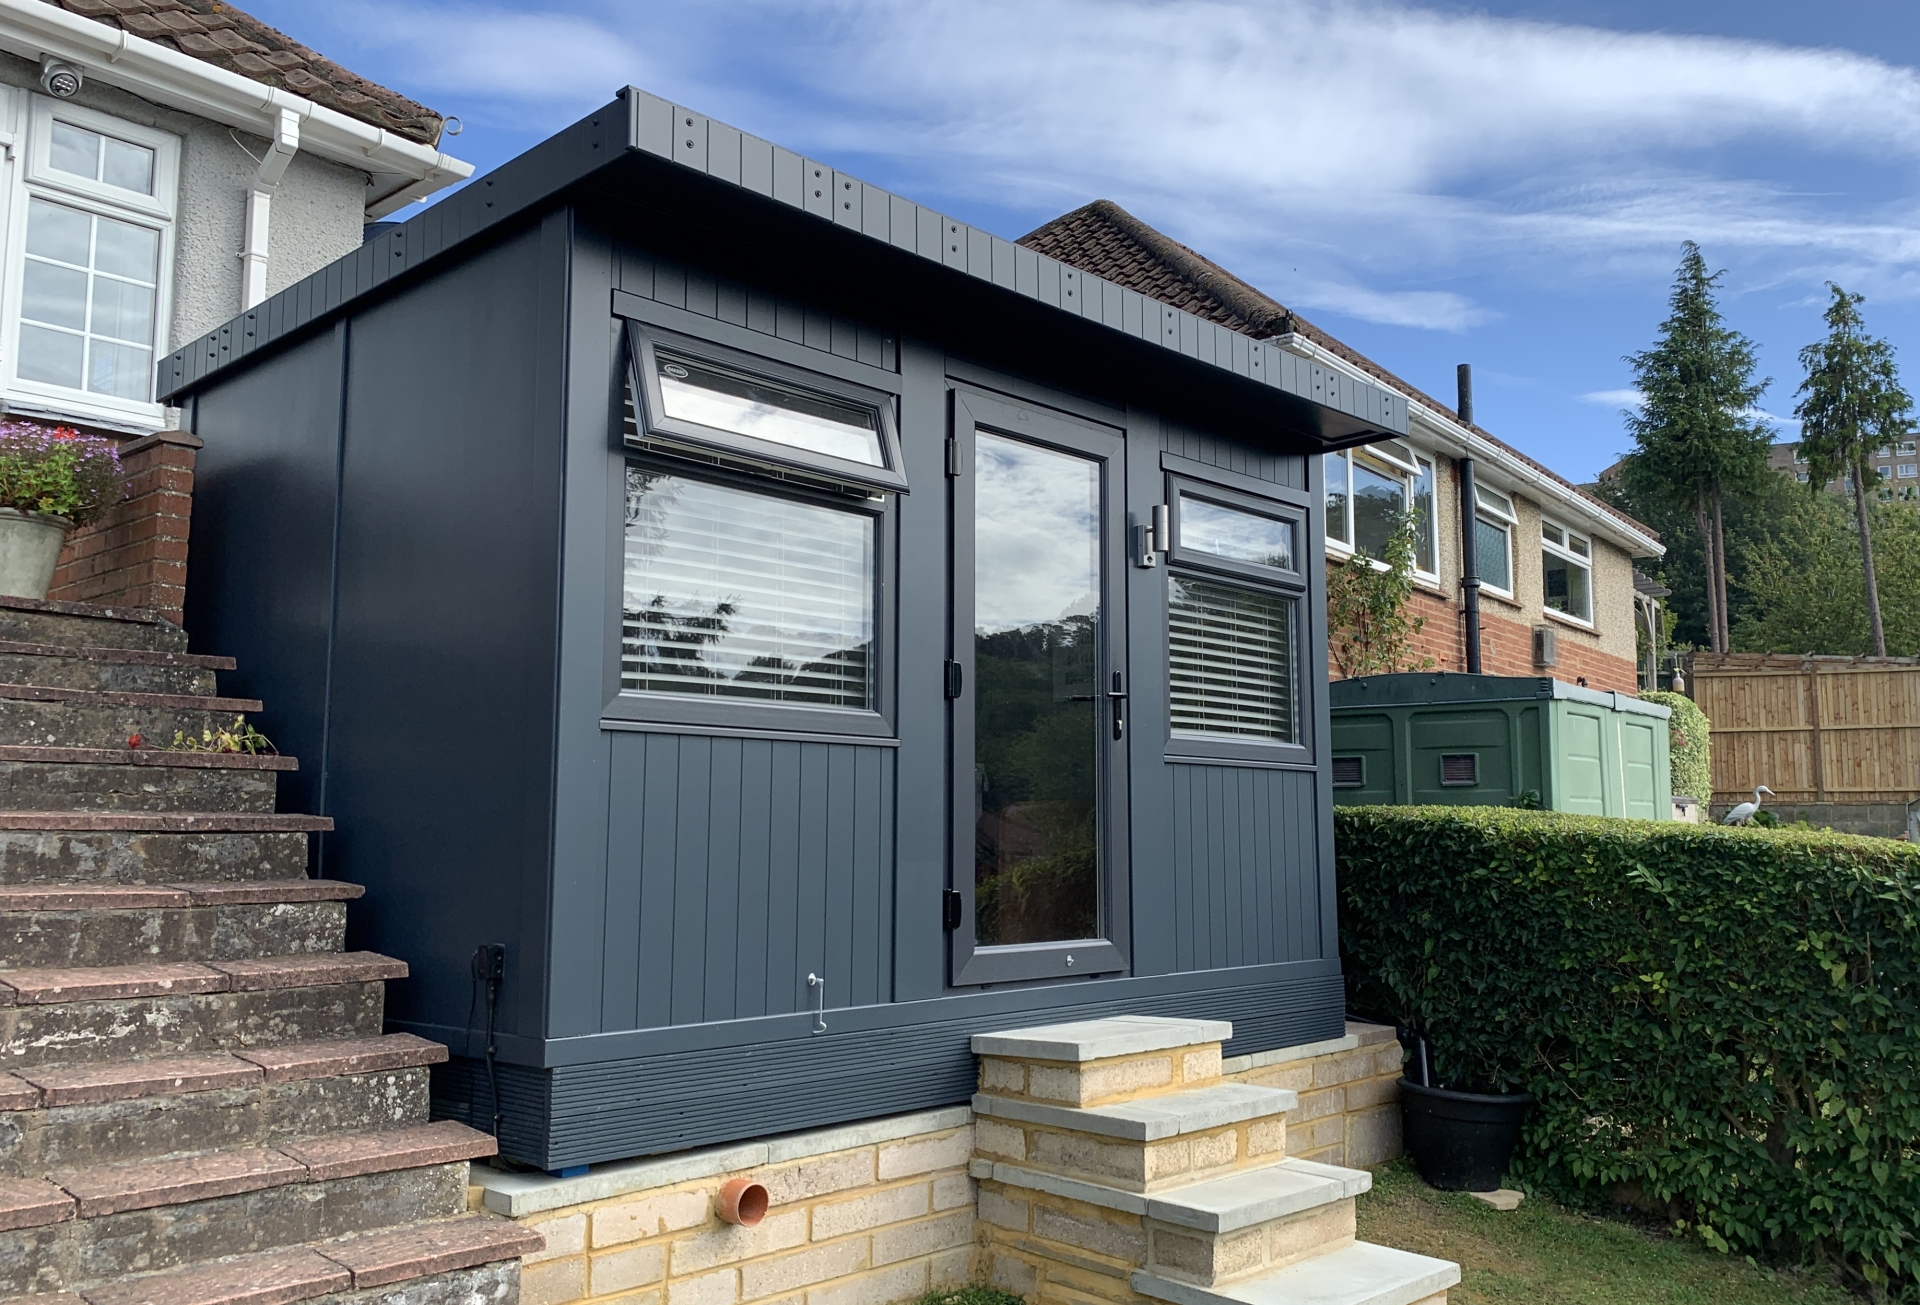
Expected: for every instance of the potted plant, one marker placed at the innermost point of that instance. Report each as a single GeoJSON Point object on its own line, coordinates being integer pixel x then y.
{"type": "Point", "coordinates": [1460, 1135]}
{"type": "Point", "coordinates": [53, 479]}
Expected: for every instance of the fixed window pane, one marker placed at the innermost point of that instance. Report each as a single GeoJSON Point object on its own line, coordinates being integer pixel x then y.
{"type": "Point", "coordinates": [76, 150]}
{"type": "Point", "coordinates": [1379, 506]}
{"type": "Point", "coordinates": [126, 165]}
{"type": "Point", "coordinates": [122, 249]}
{"type": "Point", "coordinates": [1231, 662]}
{"type": "Point", "coordinates": [1235, 534]}
{"type": "Point", "coordinates": [58, 232]}
{"type": "Point", "coordinates": [724, 399]}
{"type": "Point", "coordinates": [1425, 555]}
{"type": "Point", "coordinates": [734, 594]}
{"type": "Point", "coordinates": [1566, 586]}
{"type": "Point", "coordinates": [1336, 467]}
{"type": "Point", "coordinates": [54, 357]}
{"type": "Point", "coordinates": [54, 295]}
{"type": "Point", "coordinates": [1036, 650]}
{"type": "Point", "coordinates": [1490, 543]}
{"type": "Point", "coordinates": [123, 310]}
{"type": "Point", "coordinates": [118, 369]}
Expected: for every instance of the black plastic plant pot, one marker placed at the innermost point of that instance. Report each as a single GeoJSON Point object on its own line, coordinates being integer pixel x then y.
{"type": "Point", "coordinates": [1461, 1141]}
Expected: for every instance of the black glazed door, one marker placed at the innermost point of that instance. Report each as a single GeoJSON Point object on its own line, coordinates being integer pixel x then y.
{"type": "Point", "coordinates": [1039, 693]}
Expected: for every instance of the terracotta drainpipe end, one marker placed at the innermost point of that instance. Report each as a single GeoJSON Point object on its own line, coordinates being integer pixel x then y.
{"type": "Point", "coordinates": [742, 1201]}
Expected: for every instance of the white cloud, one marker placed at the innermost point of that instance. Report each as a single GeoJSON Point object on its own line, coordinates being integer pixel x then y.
{"type": "Point", "coordinates": [1365, 142]}
{"type": "Point", "coordinates": [1613, 398]}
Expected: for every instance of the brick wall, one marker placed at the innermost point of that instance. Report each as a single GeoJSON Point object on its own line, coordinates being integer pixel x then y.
{"type": "Point", "coordinates": [136, 555]}
{"type": "Point", "coordinates": [1349, 1111]}
{"type": "Point", "coordinates": [866, 1214]}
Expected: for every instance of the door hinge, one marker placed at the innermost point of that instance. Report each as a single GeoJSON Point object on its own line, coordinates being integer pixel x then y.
{"type": "Point", "coordinates": [951, 907]}
{"type": "Point", "coordinates": [953, 457]}
{"type": "Point", "coordinates": [953, 679]}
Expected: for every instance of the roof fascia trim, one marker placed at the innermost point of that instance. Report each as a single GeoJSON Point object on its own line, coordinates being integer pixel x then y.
{"type": "Point", "coordinates": [35, 29]}
{"type": "Point", "coordinates": [1458, 440]}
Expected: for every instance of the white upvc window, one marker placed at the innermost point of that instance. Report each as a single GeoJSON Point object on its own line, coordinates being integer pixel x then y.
{"type": "Point", "coordinates": [1369, 490]}
{"type": "Point", "coordinates": [1566, 573]}
{"type": "Point", "coordinates": [1909, 447]}
{"type": "Point", "coordinates": [1493, 523]}
{"type": "Point", "coordinates": [1908, 470]}
{"type": "Point", "coordinates": [89, 241]}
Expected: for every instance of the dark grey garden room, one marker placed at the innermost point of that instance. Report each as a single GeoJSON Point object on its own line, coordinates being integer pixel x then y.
{"type": "Point", "coordinates": [752, 632]}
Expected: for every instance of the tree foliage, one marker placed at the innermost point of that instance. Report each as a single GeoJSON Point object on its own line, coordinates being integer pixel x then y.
{"type": "Point", "coordinates": [1367, 599]}
{"type": "Point", "coordinates": [1851, 403]}
{"type": "Point", "coordinates": [1696, 442]}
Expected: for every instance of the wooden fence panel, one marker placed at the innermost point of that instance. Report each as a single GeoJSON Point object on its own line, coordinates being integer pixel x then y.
{"type": "Point", "coordinates": [1813, 729]}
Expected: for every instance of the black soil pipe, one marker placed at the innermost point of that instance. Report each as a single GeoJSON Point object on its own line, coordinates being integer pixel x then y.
{"type": "Point", "coordinates": [1469, 554]}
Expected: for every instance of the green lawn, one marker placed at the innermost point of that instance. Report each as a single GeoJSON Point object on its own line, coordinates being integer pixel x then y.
{"type": "Point", "coordinates": [1542, 1254]}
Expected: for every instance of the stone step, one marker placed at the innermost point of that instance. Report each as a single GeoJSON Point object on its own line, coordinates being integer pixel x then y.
{"type": "Point", "coordinates": [44, 925]}
{"type": "Point", "coordinates": [39, 715]}
{"type": "Point", "coordinates": [1360, 1274]}
{"type": "Point", "coordinates": [125, 670]}
{"type": "Point", "coordinates": [136, 847]}
{"type": "Point", "coordinates": [1143, 1145]}
{"type": "Point", "coordinates": [429, 1262]}
{"type": "Point", "coordinates": [118, 1220]}
{"type": "Point", "coordinates": [76, 1116]}
{"type": "Point", "coordinates": [136, 779]}
{"type": "Point", "coordinates": [119, 1013]}
{"type": "Point", "coordinates": [87, 625]}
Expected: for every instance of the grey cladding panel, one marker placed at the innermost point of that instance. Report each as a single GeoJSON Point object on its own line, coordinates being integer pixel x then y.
{"type": "Point", "coordinates": [735, 867]}
{"type": "Point", "coordinates": [1246, 867]}
{"type": "Point", "coordinates": [1288, 470]}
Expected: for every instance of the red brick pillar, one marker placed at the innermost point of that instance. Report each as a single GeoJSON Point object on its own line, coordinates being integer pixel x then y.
{"type": "Point", "coordinates": [136, 555]}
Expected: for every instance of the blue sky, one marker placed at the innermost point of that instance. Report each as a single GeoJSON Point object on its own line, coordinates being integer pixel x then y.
{"type": "Point", "coordinates": [1506, 184]}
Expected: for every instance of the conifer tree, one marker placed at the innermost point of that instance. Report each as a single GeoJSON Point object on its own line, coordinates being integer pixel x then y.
{"type": "Point", "coordinates": [1695, 440]}
{"type": "Point", "coordinates": [1851, 404]}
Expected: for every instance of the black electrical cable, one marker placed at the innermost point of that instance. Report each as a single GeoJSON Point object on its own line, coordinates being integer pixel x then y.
{"type": "Point", "coordinates": [493, 1076]}
{"type": "Point", "coordinates": [466, 1043]}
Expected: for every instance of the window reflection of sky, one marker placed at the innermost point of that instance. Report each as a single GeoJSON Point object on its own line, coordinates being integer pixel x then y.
{"type": "Point", "coordinates": [1036, 535]}
{"type": "Point", "coordinates": [1235, 535]}
{"type": "Point", "coordinates": [816, 432]}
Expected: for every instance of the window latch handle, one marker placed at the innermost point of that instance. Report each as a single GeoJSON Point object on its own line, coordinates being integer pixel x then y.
{"type": "Point", "coordinates": [1117, 695]}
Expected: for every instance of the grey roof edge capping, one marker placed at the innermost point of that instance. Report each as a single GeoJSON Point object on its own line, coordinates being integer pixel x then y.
{"type": "Point", "coordinates": [637, 120]}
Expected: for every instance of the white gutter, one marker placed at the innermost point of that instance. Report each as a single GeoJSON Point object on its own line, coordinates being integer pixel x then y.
{"type": "Point", "coordinates": [266, 178]}
{"type": "Point", "coordinates": [1461, 441]}
{"type": "Point", "coordinates": [403, 170]}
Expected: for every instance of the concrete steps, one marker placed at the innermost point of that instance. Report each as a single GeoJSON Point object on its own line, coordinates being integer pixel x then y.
{"type": "Point", "coordinates": [198, 1104]}
{"type": "Point", "coordinates": [1115, 1164]}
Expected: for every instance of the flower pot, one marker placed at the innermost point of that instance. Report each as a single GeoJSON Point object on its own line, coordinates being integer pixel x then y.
{"type": "Point", "coordinates": [30, 544]}
{"type": "Point", "coordinates": [1461, 1141]}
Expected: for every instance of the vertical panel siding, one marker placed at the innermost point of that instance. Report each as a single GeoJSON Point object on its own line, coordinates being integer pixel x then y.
{"type": "Point", "coordinates": [667, 281]}
{"type": "Point", "coordinates": [1285, 469]}
{"type": "Point", "coordinates": [1245, 867]}
{"type": "Point", "coordinates": [735, 867]}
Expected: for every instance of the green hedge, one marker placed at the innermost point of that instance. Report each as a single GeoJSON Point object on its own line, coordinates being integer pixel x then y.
{"type": "Point", "coordinates": [1720, 1021]}
{"type": "Point", "coordinates": [1690, 744]}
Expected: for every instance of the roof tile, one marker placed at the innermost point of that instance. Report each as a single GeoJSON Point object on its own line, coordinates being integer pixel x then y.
{"type": "Point", "coordinates": [242, 43]}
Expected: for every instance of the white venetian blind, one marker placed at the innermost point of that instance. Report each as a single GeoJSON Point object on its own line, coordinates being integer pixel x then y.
{"type": "Point", "coordinates": [1231, 663]}
{"type": "Point", "coordinates": [734, 594]}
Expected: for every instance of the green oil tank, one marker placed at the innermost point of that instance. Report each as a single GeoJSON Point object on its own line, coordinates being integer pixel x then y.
{"type": "Point", "coordinates": [1421, 738]}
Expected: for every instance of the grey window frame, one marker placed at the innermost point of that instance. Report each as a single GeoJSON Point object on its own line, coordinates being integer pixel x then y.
{"type": "Point", "coordinates": [969, 964]}
{"type": "Point", "coordinates": [642, 340]}
{"type": "Point", "coordinates": [1273, 502]}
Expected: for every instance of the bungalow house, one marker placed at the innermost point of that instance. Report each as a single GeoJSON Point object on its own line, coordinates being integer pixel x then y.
{"type": "Point", "coordinates": [165, 164]}
{"type": "Point", "coordinates": [812, 643]}
{"type": "Point", "coordinates": [1557, 587]}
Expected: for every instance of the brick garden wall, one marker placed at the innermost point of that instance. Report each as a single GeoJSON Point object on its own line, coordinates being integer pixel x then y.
{"type": "Point", "coordinates": [136, 555]}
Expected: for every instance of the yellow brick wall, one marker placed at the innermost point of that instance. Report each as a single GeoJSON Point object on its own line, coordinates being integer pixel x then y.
{"type": "Point", "coordinates": [1349, 1111]}
{"type": "Point", "coordinates": [867, 1225]}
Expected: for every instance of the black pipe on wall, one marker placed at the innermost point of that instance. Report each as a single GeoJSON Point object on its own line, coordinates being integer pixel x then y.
{"type": "Point", "coordinates": [1469, 554]}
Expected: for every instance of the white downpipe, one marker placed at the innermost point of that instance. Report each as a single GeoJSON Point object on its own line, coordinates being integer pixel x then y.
{"type": "Point", "coordinates": [266, 178]}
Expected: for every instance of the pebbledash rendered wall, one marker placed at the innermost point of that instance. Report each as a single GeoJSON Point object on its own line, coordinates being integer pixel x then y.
{"type": "Point", "coordinates": [867, 1213]}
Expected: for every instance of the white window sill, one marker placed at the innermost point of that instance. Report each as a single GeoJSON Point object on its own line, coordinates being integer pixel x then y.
{"type": "Point", "coordinates": [1564, 619]}
{"type": "Point", "coordinates": [132, 418]}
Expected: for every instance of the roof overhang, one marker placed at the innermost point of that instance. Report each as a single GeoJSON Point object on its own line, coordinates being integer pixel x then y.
{"type": "Point", "coordinates": [402, 171]}
{"type": "Point", "coordinates": [734, 194]}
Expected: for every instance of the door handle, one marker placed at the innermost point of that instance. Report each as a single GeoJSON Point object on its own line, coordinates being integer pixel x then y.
{"type": "Point", "coordinates": [1117, 695]}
